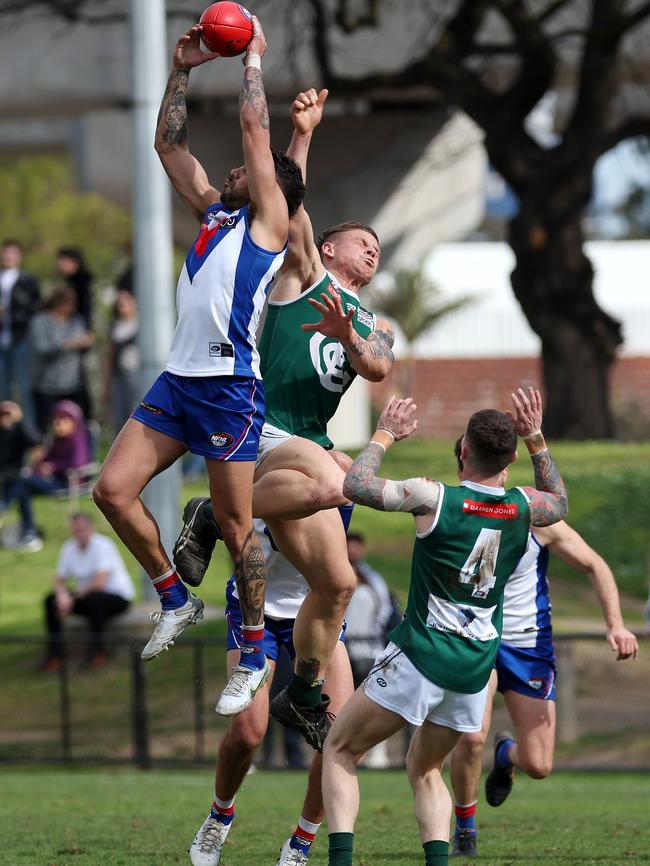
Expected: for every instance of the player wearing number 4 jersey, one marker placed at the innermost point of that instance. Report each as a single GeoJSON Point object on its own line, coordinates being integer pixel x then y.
{"type": "Point", "coordinates": [435, 671]}
{"type": "Point", "coordinates": [210, 399]}
{"type": "Point", "coordinates": [525, 674]}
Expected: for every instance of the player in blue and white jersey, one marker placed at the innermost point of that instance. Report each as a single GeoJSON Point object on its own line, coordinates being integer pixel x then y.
{"type": "Point", "coordinates": [525, 675]}
{"type": "Point", "coordinates": [210, 399]}
{"type": "Point", "coordinates": [286, 589]}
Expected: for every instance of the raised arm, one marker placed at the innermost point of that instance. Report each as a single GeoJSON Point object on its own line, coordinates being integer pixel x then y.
{"type": "Point", "coordinates": [417, 496]}
{"type": "Point", "coordinates": [185, 172]}
{"type": "Point", "coordinates": [269, 213]}
{"type": "Point", "coordinates": [565, 543]}
{"type": "Point", "coordinates": [548, 499]}
{"type": "Point", "coordinates": [302, 266]}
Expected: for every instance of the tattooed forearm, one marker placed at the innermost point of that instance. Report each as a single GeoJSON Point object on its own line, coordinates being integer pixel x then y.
{"type": "Point", "coordinates": [381, 345]}
{"type": "Point", "coordinates": [356, 345]}
{"type": "Point", "coordinates": [252, 94]}
{"type": "Point", "coordinates": [361, 484]}
{"type": "Point", "coordinates": [172, 117]}
{"type": "Point", "coordinates": [250, 575]}
{"type": "Point", "coordinates": [548, 501]}
{"type": "Point", "coordinates": [377, 348]}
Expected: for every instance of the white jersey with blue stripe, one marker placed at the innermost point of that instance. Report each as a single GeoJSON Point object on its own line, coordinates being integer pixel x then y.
{"type": "Point", "coordinates": [526, 601]}
{"type": "Point", "coordinates": [286, 588]}
{"type": "Point", "coordinates": [219, 299]}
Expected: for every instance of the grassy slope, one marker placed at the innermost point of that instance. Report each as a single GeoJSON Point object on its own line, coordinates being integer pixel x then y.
{"type": "Point", "coordinates": [126, 818]}
{"type": "Point", "coordinates": [608, 487]}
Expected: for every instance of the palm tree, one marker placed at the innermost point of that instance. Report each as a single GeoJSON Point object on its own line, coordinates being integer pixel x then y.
{"type": "Point", "coordinates": [415, 303]}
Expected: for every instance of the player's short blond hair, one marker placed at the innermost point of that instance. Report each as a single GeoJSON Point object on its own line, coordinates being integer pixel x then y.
{"type": "Point", "coordinates": [344, 227]}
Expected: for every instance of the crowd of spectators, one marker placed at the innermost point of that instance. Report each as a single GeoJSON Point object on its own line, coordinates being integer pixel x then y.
{"type": "Point", "coordinates": [50, 340]}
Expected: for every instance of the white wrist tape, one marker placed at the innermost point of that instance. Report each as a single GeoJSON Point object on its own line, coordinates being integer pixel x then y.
{"type": "Point", "coordinates": [411, 494]}
{"type": "Point", "coordinates": [533, 434]}
{"type": "Point", "coordinates": [386, 430]}
{"type": "Point", "coordinates": [253, 59]}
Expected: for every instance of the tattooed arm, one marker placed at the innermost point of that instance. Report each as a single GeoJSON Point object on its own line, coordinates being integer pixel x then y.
{"type": "Point", "coordinates": [362, 484]}
{"type": "Point", "coordinates": [548, 499]}
{"type": "Point", "coordinates": [185, 172]}
{"type": "Point", "coordinates": [269, 213]}
{"type": "Point", "coordinates": [373, 357]}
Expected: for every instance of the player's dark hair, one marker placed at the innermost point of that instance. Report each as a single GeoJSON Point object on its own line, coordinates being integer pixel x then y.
{"type": "Point", "coordinates": [290, 179]}
{"type": "Point", "coordinates": [457, 446]}
{"type": "Point", "coordinates": [356, 536]}
{"type": "Point", "coordinates": [344, 227]}
{"type": "Point", "coordinates": [12, 242]}
{"type": "Point", "coordinates": [492, 439]}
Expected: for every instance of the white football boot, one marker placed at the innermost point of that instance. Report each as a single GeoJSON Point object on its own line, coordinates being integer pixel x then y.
{"type": "Point", "coordinates": [239, 692]}
{"type": "Point", "coordinates": [208, 842]}
{"type": "Point", "coordinates": [291, 856]}
{"type": "Point", "coordinates": [170, 624]}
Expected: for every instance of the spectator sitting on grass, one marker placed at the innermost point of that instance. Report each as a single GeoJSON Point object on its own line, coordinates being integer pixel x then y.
{"type": "Point", "coordinates": [103, 589]}
{"type": "Point", "coordinates": [67, 449]}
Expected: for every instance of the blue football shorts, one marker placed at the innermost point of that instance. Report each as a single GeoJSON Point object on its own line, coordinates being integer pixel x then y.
{"type": "Point", "coordinates": [277, 632]}
{"type": "Point", "coordinates": [218, 417]}
{"type": "Point", "coordinates": [529, 671]}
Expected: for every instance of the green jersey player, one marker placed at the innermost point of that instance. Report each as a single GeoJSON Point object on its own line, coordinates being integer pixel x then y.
{"type": "Point", "coordinates": [306, 367]}
{"type": "Point", "coordinates": [434, 672]}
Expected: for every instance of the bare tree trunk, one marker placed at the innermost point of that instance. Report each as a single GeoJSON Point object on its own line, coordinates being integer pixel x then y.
{"type": "Point", "coordinates": [553, 282]}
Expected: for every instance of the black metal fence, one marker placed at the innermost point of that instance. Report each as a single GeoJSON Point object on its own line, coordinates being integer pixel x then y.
{"type": "Point", "coordinates": [162, 712]}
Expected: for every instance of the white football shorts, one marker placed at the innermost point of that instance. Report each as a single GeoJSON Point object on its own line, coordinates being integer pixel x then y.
{"type": "Point", "coordinates": [395, 684]}
{"type": "Point", "coordinates": [270, 438]}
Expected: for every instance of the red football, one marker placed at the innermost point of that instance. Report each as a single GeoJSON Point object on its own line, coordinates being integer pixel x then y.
{"type": "Point", "coordinates": [227, 28]}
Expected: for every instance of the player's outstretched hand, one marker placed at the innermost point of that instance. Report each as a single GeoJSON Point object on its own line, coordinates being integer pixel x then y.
{"type": "Point", "coordinates": [336, 322]}
{"type": "Point", "coordinates": [307, 110]}
{"type": "Point", "coordinates": [188, 52]}
{"type": "Point", "coordinates": [257, 45]}
{"type": "Point", "coordinates": [528, 411]}
{"type": "Point", "coordinates": [623, 643]}
{"type": "Point", "coordinates": [398, 418]}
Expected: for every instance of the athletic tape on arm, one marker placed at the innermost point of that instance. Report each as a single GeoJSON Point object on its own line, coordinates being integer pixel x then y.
{"type": "Point", "coordinates": [416, 495]}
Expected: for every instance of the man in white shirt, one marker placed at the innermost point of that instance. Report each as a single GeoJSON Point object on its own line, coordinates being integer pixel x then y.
{"type": "Point", "coordinates": [102, 589]}
{"type": "Point", "coordinates": [19, 300]}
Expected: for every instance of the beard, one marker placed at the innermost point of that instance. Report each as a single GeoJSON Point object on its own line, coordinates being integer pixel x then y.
{"type": "Point", "coordinates": [228, 198]}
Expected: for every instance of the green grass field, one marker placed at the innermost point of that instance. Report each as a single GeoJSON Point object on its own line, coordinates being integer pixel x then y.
{"type": "Point", "coordinates": [130, 818]}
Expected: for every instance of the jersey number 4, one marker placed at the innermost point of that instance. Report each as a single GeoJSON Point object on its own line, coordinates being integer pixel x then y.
{"type": "Point", "coordinates": [480, 564]}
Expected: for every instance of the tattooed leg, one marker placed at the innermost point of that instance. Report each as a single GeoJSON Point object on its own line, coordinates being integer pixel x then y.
{"type": "Point", "coordinates": [231, 492]}
{"type": "Point", "coordinates": [250, 574]}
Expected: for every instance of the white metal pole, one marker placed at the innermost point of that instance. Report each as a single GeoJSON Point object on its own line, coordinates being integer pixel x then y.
{"type": "Point", "coordinates": [152, 235]}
